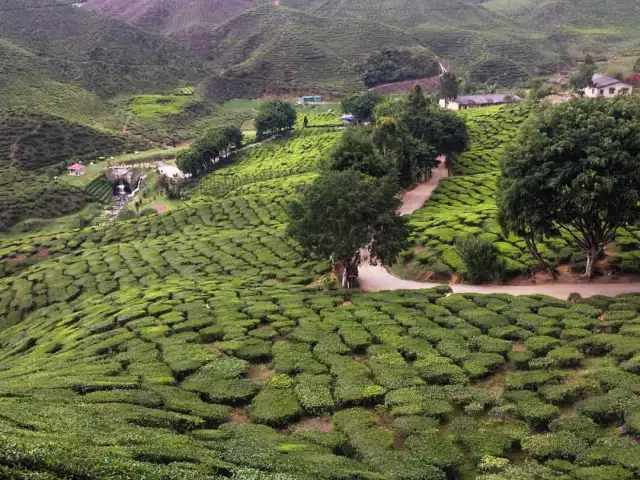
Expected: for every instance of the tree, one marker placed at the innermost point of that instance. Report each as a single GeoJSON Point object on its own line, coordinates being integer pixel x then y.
{"type": "Point", "coordinates": [575, 168]}
{"type": "Point", "coordinates": [344, 212]}
{"type": "Point", "coordinates": [356, 151]}
{"type": "Point", "coordinates": [188, 161]}
{"type": "Point", "coordinates": [449, 86]}
{"type": "Point", "coordinates": [274, 117]}
{"type": "Point", "coordinates": [361, 105]}
{"type": "Point", "coordinates": [584, 77]}
{"type": "Point", "coordinates": [414, 159]}
{"type": "Point", "coordinates": [636, 66]}
{"type": "Point", "coordinates": [444, 130]}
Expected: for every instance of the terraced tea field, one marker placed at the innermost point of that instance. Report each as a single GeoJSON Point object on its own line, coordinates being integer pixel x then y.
{"type": "Point", "coordinates": [464, 205]}
{"type": "Point", "coordinates": [198, 344]}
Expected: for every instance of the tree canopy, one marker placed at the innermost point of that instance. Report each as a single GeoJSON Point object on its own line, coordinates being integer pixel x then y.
{"type": "Point", "coordinates": [443, 129]}
{"type": "Point", "coordinates": [584, 77]}
{"type": "Point", "coordinates": [361, 105]}
{"type": "Point", "coordinates": [207, 148]}
{"type": "Point", "coordinates": [636, 66]}
{"type": "Point", "coordinates": [574, 168]}
{"type": "Point", "coordinates": [449, 86]}
{"type": "Point", "coordinates": [344, 212]}
{"type": "Point", "coordinates": [273, 117]}
{"type": "Point", "coordinates": [391, 65]}
{"type": "Point", "coordinates": [356, 151]}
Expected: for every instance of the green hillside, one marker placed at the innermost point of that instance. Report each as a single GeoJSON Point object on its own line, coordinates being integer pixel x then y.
{"type": "Point", "coordinates": [188, 345]}
{"type": "Point", "coordinates": [29, 195]}
{"type": "Point", "coordinates": [276, 49]}
{"type": "Point", "coordinates": [34, 142]}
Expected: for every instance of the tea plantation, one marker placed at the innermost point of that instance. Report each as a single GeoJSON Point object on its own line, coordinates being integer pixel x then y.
{"type": "Point", "coordinates": [198, 344]}
{"type": "Point", "coordinates": [464, 205]}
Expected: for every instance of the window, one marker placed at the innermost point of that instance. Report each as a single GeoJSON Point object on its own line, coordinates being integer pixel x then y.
{"type": "Point", "coordinates": [602, 91]}
{"type": "Point", "coordinates": [624, 91]}
{"type": "Point", "coordinates": [612, 90]}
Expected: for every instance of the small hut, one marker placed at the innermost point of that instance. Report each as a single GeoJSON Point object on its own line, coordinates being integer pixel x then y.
{"type": "Point", "coordinates": [75, 169]}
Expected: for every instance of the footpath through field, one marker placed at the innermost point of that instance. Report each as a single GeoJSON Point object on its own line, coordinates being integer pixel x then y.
{"type": "Point", "coordinates": [375, 278]}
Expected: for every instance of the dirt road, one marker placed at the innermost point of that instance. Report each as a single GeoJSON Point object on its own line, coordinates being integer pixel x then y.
{"type": "Point", "coordinates": [377, 278]}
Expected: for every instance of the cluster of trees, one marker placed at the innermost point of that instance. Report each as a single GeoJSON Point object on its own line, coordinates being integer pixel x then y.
{"type": "Point", "coordinates": [352, 207]}
{"type": "Point", "coordinates": [391, 65]}
{"type": "Point", "coordinates": [405, 137]}
{"type": "Point", "coordinates": [574, 169]}
{"type": "Point", "coordinates": [275, 116]}
{"type": "Point", "coordinates": [206, 150]}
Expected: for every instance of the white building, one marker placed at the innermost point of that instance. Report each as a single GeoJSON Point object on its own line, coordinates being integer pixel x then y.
{"type": "Point", "coordinates": [604, 86]}
{"type": "Point", "coordinates": [475, 101]}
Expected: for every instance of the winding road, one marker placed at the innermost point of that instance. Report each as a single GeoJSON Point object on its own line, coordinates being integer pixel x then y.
{"type": "Point", "coordinates": [376, 278]}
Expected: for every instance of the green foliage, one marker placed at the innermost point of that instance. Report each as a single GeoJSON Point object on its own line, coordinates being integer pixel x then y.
{"type": "Point", "coordinates": [361, 105]}
{"type": "Point", "coordinates": [480, 259]}
{"type": "Point", "coordinates": [396, 65]}
{"type": "Point", "coordinates": [449, 86]}
{"type": "Point", "coordinates": [274, 116]}
{"type": "Point", "coordinates": [343, 212]}
{"type": "Point", "coordinates": [356, 151]}
{"type": "Point", "coordinates": [585, 190]}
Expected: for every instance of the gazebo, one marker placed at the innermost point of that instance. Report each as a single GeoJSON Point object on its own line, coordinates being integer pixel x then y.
{"type": "Point", "coordinates": [75, 169]}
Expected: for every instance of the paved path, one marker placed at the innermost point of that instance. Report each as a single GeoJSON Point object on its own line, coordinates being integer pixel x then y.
{"type": "Point", "coordinates": [415, 199]}
{"type": "Point", "coordinates": [377, 278]}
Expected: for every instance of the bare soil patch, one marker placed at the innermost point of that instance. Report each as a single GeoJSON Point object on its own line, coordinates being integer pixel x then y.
{"type": "Point", "coordinates": [241, 415]}
{"type": "Point", "coordinates": [518, 347]}
{"type": "Point", "coordinates": [322, 424]}
{"type": "Point", "coordinates": [260, 374]}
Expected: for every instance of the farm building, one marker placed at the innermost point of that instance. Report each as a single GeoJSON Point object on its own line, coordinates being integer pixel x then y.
{"type": "Point", "coordinates": [476, 101]}
{"type": "Point", "coordinates": [75, 169]}
{"type": "Point", "coordinates": [310, 99]}
{"type": "Point", "coordinates": [604, 86]}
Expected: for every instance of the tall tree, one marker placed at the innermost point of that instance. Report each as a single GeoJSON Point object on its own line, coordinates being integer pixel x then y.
{"type": "Point", "coordinates": [575, 168]}
{"type": "Point", "coordinates": [584, 77]}
{"type": "Point", "coordinates": [274, 117]}
{"type": "Point", "coordinates": [356, 151]}
{"type": "Point", "coordinates": [449, 86]}
{"type": "Point", "coordinates": [361, 105]}
{"type": "Point", "coordinates": [188, 161]}
{"type": "Point", "coordinates": [636, 66]}
{"type": "Point", "coordinates": [345, 212]}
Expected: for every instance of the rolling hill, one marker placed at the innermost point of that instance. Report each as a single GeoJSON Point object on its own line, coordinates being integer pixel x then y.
{"type": "Point", "coordinates": [65, 61]}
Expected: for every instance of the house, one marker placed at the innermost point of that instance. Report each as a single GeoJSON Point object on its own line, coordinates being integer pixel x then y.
{"type": "Point", "coordinates": [310, 99]}
{"type": "Point", "coordinates": [475, 101]}
{"type": "Point", "coordinates": [607, 87]}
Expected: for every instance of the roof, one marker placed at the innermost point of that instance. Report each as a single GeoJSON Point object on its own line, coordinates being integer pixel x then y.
{"type": "Point", "coordinates": [601, 81]}
{"type": "Point", "coordinates": [75, 167]}
{"type": "Point", "coordinates": [634, 79]}
{"type": "Point", "coordinates": [348, 117]}
{"type": "Point", "coordinates": [486, 99]}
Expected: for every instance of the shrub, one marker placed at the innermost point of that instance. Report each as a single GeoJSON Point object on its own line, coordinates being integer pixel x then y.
{"type": "Point", "coordinates": [566, 356]}
{"type": "Point", "coordinates": [314, 393]}
{"type": "Point", "coordinates": [275, 406]}
{"type": "Point", "coordinates": [480, 258]}
{"type": "Point", "coordinates": [562, 445]}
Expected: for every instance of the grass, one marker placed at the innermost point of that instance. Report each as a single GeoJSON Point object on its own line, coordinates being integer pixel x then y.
{"type": "Point", "coordinates": [154, 106]}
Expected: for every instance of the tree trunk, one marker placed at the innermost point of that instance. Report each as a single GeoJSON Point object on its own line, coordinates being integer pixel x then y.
{"type": "Point", "coordinates": [347, 274]}
{"type": "Point", "coordinates": [533, 250]}
{"type": "Point", "coordinates": [592, 255]}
